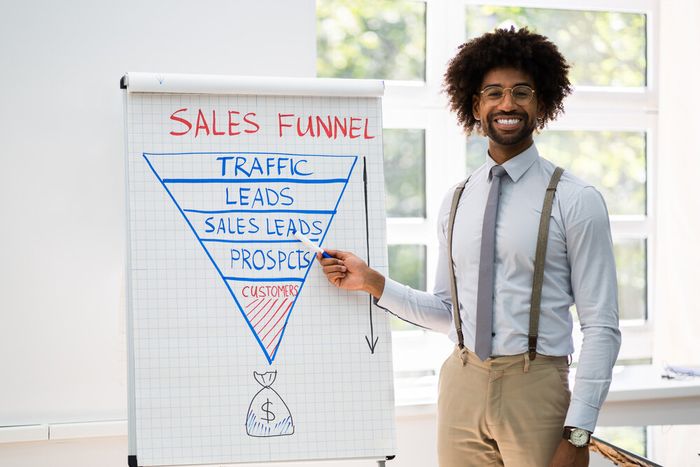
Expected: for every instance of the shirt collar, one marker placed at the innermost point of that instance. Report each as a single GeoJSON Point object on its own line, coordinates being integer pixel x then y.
{"type": "Point", "coordinates": [518, 165]}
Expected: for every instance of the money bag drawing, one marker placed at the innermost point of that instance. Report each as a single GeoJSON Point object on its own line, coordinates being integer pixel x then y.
{"type": "Point", "coordinates": [268, 415]}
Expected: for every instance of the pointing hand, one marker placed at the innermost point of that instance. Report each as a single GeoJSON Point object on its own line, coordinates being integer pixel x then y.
{"type": "Point", "coordinates": [347, 271]}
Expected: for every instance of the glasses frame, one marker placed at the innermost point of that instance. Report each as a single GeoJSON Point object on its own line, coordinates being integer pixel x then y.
{"type": "Point", "coordinates": [498, 101]}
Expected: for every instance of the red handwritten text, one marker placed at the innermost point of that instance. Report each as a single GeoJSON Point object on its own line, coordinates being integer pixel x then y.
{"type": "Point", "coordinates": [217, 122]}
{"type": "Point", "coordinates": [326, 126]}
{"type": "Point", "coordinates": [233, 124]}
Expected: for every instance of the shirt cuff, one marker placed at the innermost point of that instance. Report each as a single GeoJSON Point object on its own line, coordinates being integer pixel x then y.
{"type": "Point", "coordinates": [581, 415]}
{"type": "Point", "coordinates": [393, 296]}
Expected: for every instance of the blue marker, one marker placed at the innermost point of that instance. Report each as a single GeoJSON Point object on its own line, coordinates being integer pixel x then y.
{"type": "Point", "coordinates": [310, 245]}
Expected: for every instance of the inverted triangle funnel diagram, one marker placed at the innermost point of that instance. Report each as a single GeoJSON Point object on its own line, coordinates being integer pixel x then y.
{"type": "Point", "coordinates": [243, 209]}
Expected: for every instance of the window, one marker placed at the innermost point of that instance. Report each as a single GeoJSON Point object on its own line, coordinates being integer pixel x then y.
{"type": "Point", "coordinates": [407, 265]}
{"type": "Point", "coordinates": [611, 77]}
{"type": "Point", "coordinates": [404, 172]}
{"type": "Point", "coordinates": [631, 438]}
{"type": "Point", "coordinates": [615, 163]}
{"type": "Point", "coordinates": [615, 54]}
{"type": "Point", "coordinates": [371, 39]}
{"type": "Point", "coordinates": [386, 40]}
{"type": "Point", "coordinates": [607, 135]}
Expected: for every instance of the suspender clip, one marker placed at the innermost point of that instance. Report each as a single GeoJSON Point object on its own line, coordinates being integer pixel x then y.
{"type": "Point", "coordinates": [532, 346]}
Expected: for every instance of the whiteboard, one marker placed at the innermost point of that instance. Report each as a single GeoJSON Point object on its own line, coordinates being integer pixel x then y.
{"type": "Point", "coordinates": [239, 349]}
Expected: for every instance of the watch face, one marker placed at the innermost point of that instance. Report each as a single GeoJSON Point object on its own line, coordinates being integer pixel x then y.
{"type": "Point", "coordinates": [579, 437]}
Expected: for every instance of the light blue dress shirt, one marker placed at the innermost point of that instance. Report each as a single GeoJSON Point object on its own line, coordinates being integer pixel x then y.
{"type": "Point", "coordinates": [579, 269]}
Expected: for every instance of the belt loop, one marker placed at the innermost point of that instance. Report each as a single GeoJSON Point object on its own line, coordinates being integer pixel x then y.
{"type": "Point", "coordinates": [463, 355]}
{"type": "Point", "coordinates": [526, 366]}
{"type": "Point", "coordinates": [569, 360]}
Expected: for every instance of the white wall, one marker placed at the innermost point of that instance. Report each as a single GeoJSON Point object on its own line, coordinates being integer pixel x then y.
{"type": "Point", "coordinates": [62, 247]}
{"type": "Point", "coordinates": [677, 317]}
{"type": "Point", "coordinates": [677, 320]}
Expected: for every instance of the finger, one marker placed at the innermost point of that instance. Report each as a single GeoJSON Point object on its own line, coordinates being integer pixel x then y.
{"type": "Point", "coordinates": [336, 279]}
{"type": "Point", "coordinates": [334, 268]}
{"type": "Point", "coordinates": [340, 254]}
{"type": "Point", "coordinates": [335, 276]}
{"type": "Point", "coordinates": [323, 260]}
{"type": "Point", "coordinates": [329, 261]}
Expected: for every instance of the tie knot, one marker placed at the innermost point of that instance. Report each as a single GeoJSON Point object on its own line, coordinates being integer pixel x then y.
{"type": "Point", "coordinates": [497, 171]}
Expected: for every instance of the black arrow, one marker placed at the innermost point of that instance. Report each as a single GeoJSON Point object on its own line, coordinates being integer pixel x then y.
{"type": "Point", "coordinates": [371, 341]}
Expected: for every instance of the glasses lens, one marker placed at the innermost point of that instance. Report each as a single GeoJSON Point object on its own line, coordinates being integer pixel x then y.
{"type": "Point", "coordinates": [522, 94]}
{"type": "Point", "coordinates": [493, 93]}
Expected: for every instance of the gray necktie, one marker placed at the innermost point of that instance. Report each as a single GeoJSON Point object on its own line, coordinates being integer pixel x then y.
{"type": "Point", "coordinates": [484, 296]}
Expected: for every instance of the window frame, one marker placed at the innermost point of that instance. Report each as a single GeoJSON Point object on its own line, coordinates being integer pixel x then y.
{"type": "Point", "coordinates": [412, 104]}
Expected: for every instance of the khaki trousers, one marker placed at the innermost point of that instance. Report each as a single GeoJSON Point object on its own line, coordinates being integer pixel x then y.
{"type": "Point", "coordinates": [506, 411]}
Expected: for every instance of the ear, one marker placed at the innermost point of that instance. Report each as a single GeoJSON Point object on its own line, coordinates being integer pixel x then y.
{"type": "Point", "coordinates": [540, 110]}
{"type": "Point", "coordinates": [475, 107]}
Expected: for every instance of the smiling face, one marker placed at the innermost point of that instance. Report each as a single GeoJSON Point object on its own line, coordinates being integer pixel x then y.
{"type": "Point", "coordinates": [509, 125]}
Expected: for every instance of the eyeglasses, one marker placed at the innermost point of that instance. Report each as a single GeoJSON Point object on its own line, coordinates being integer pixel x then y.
{"type": "Point", "coordinates": [521, 94]}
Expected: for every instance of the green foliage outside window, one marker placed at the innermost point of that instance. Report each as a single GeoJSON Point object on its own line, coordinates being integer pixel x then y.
{"type": "Point", "coordinates": [613, 161]}
{"type": "Point", "coordinates": [382, 39]}
{"type": "Point", "coordinates": [407, 265]}
{"type": "Point", "coordinates": [631, 262]}
{"type": "Point", "coordinates": [605, 48]}
{"type": "Point", "coordinates": [404, 172]}
{"type": "Point", "coordinates": [631, 438]}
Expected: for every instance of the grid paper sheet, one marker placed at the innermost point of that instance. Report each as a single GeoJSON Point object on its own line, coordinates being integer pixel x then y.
{"type": "Point", "coordinates": [241, 350]}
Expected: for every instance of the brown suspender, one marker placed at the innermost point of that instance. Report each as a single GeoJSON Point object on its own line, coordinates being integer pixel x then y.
{"type": "Point", "coordinates": [453, 279]}
{"type": "Point", "coordinates": [540, 254]}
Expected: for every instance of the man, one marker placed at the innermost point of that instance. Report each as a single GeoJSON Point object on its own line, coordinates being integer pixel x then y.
{"type": "Point", "coordinates": [499, 403]}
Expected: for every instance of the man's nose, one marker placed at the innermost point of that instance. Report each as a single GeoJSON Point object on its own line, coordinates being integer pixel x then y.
{"type": "Point", "coordinates": [507, 102]}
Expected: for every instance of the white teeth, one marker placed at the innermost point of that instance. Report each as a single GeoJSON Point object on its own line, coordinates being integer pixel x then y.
{"type": "Point", "coordinates": [508, 121]}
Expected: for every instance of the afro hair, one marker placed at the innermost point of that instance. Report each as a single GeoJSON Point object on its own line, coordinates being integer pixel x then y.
{"type": "Point", "coordinates": [520, 49]}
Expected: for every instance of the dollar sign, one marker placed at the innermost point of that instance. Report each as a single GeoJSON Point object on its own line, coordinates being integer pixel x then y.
{"type": "Point", "coordinates": [269, 416]}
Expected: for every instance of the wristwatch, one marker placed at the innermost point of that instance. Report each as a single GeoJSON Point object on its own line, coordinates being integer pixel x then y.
{"type": "Point", "coordinates": [577, 436]}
